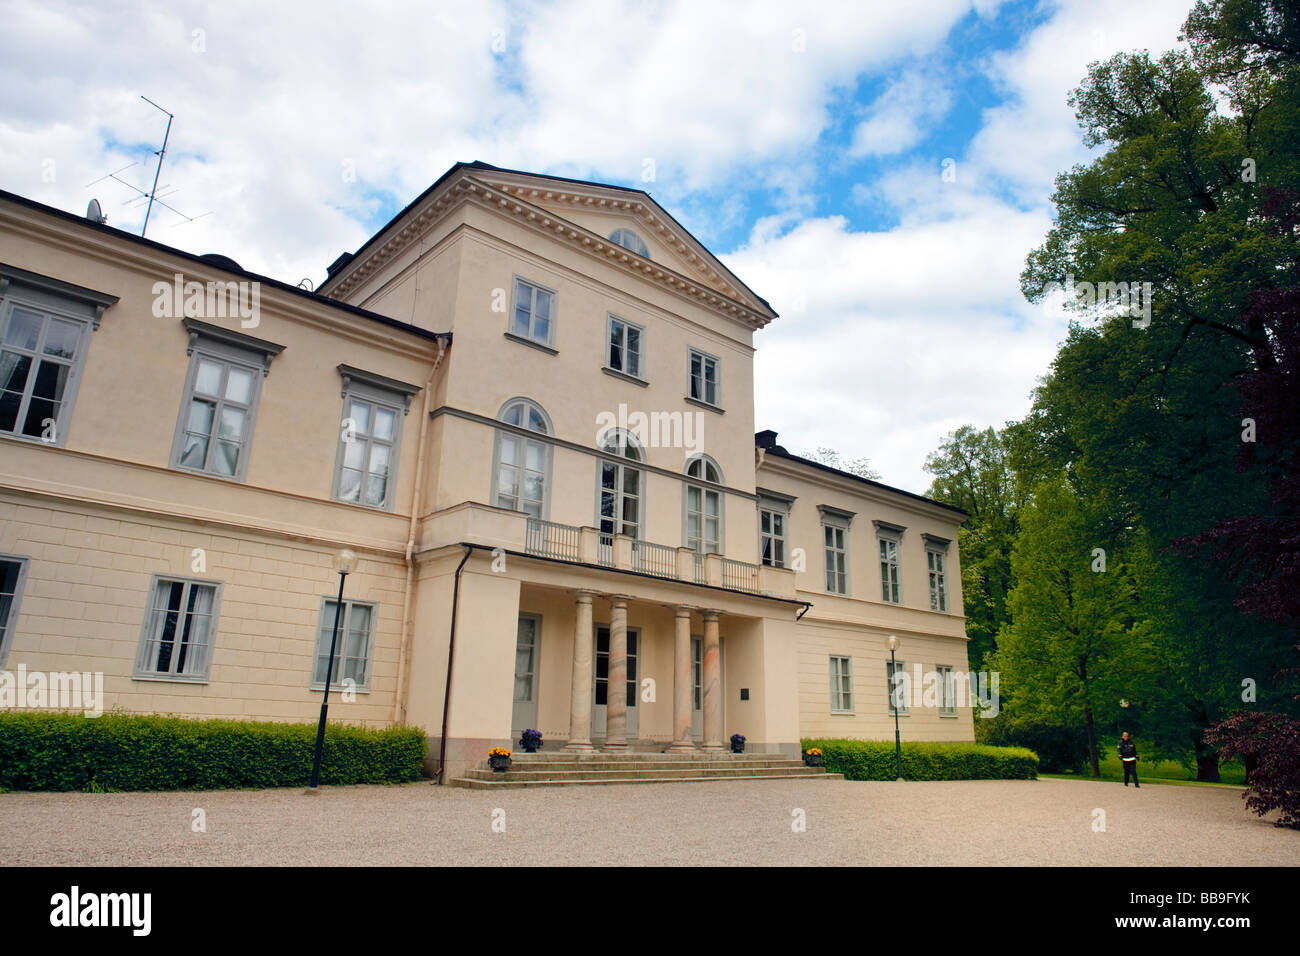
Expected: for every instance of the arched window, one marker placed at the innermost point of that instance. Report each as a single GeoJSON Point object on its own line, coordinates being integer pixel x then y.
{"type": "Point", "coordinates": [703, 506]}
{"type": "Point", "coordinates": [621, 486]}
{"type": "Point", "coordinates": [522, 465]}
{"type": "Point", "coordinates": [631, 241]}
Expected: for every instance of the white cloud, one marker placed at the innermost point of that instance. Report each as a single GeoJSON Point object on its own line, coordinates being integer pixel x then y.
{"type": "Point", "coordinates": [902, 115]}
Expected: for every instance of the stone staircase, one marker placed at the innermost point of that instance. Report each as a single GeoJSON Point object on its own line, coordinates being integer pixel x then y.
{"type": "Point", "coordinates": [570, 769]}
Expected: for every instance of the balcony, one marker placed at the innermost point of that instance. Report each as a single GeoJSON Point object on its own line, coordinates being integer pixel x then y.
{"type": "Point", "coordinates": [562, 542]}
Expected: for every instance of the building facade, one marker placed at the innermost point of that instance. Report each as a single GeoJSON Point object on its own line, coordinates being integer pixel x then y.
{"type": "Point", "coordinates": [526, 405]}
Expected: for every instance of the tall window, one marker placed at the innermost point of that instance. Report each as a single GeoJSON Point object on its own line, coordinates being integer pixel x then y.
{"type": "Point", "coordinates": [220, 401]}
{"type": "Point", "coordinates": [522, 463]}
{"type": "Point", "coordinates": [771, 537]}
{"type": "Point", "coordinates": [45, 329]}
{"type": "Point", "coordinates": [13, 572]}
{"type": "Point", "coordinates": [889, 540]}
{"type": "Point", "coordinates": [39, 360]}
{"type": "Point", "coordinates": [773, 516]}
{"type": "Point", "coordinates": [837, 560]}
{"type": "Point", "coordinates": [889, 589]}
{"type": "Point", "coordinates": [896, 682]}
{"type": "Point", "coordinates": [369, 430]}
{"type": "Point", "coordinates": [835, 547]}
{"type": "Point", "coordinates": [947, 690]}
{"type": "Point", "coordinates": [534, 314]}
{"type": "Point", "coordinates": [938, 591]}
{"type": "Point", "coordinates": [370, 437]}
{"type": "Point", "coordinates": [703, 507]}
{"type": "Point", "coordinates": [841, 685]}
{"type": "Point", "coordinates": [624, 351]}
{"type": "Point", "coordinates": [176, 642]}
{"type": "Point", "coordinates": [705, 384]}
{"type": "Point", "coordinates": [620, 487]}
{"type": "Point", "coordinates": [353, 649]}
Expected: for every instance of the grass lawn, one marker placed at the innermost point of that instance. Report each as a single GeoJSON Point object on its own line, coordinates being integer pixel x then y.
{"type": "Point", "coordinates": [1160, 771]}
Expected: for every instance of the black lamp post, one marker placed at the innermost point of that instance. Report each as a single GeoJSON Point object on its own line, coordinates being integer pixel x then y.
{"type": "Point", "coordinates": [893, 673]}
{"type": "Point", "coordinates": [343, 562]}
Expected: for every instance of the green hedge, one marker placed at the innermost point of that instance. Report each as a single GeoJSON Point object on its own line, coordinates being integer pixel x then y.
{"type": "Point", "coordinates": [876, 760]}
{"type": "Point", "coordinates": [54, 751]}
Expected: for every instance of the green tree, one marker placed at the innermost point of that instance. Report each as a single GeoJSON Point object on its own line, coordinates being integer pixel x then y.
{"type": "Point", "coordinates": [1146, 414]}
{"type": "Point", "coordinates": [1066, 657]}
{"type": "Point", "coordinates": [971, 472]}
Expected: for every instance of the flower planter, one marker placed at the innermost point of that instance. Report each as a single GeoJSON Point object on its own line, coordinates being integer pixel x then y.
{"type": "Point", "coordinates": [812, 760]}
{"type": "Point", "coordinates": [499, 764]}
{"type": "Point", "coordinates": [737, 744]}
{"type": "Point", "coordinates": [530, 741]}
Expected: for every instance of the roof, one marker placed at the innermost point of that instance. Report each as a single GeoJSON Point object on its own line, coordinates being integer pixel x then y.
{"type": "Point", "coordinates": [345, 258]}
{"type": "Point", "coordinates": [211, 261]}
{"type": "Point", "coordinates": [766, 440]}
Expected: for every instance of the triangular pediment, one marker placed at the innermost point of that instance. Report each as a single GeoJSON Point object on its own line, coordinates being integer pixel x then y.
{"type": "Point", "coordinates": [603, 209]}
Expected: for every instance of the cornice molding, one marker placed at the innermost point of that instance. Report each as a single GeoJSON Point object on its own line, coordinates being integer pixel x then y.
{"type": "Point", "coordinates": [501, 200]}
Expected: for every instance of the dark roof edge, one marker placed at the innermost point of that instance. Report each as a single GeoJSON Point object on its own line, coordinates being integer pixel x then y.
{"type": "Point", "coordinates": [315, 297]}
{"type": "Point", "coordinates": [780, 452]}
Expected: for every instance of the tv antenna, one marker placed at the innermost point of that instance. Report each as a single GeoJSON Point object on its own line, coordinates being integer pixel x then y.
{"type": "Point", "coordinates": [161, 153]}
{"type": "Point", "coordinates": [153, 195]}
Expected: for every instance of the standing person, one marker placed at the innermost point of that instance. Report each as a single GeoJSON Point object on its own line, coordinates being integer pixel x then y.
{"type": "Point", "coordinates": [1128, 755]}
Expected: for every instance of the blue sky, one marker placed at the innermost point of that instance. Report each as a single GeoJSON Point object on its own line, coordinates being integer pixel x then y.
{"type": "Point", "coordinates": [804, 144]}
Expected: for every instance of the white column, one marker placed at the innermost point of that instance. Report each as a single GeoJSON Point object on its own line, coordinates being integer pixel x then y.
{"type": "Point", "coordinates": [683, 681]}
{"type": "Point", "coordinates": [580, 692]}
{"type": "Point", "coordinates": [712, 685]}
{"type": "Point", "coordinates": [616, 695]}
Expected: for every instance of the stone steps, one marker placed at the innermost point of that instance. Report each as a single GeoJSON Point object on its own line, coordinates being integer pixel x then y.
{"type": "Point", "coordinates": [571, 769]}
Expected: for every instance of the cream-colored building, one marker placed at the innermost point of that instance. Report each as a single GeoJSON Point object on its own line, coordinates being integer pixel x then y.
{"type": "Point", "coordinates": [526, 404]}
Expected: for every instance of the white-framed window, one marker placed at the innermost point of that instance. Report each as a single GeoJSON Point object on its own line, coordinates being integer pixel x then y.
{"type": "Point", "coordinates": [705, 376]}
{"type": "Point", "coordinates": [13, 575]}
{"type": "Point", "coordinates": [179, 626]}
{"type": "Point", "coordinates": [44, 339]}
{"type": "Point", "coordinates": [938, 588]}
{"type": "Point", "coordinates": [841, 685]}
{"type": "Point", "coordinates": [521, 465]}
{"type": "Point", "coordinates": [773, 518]}
{"type": "Point", "coordinates": [947, 689]}
{"type": "Point", "coordinates": [623, 347]}
{"type": "Point", "coordinates": [889, 588]}
{"type": "Point", "coordinates": [219, 405]}
{"type": "Point", "coordinates": [703, 506]}
{"type": "Point", "coordinates": [896, 685]}
{"type": "Point", "coordinates": [835, 547]}
{"type": "Point", "coordinates": [889, 539]}
{"type": "Point", "coordinates": [354, 647]}
{"type": "Point", "coordinates": [936, 558]}
{"type": "Point", "coordinates": [533, 316]}
{"type": "Point", "coordinates": [621, 499]}
{"type": "Point", "coordinates": [630, 240]}
{"type": "Point", "coordinates": [370, 437]}
{"type": "Point", "coordinates": [771, 537]}
{"type": "Point", "coordinates": [837, 559]}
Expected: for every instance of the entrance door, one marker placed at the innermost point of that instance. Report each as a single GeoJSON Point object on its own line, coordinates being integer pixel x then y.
{"type": "Point", "coordinates": [527, 654]}
{"type": "Point", "coordinates": [601, 691]}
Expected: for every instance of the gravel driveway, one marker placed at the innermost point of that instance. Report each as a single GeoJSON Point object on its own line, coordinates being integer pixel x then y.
{"type": "Point", "coordinates": [1046, 822]}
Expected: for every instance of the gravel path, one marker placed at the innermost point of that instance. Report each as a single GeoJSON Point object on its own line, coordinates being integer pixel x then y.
{"type": "Point", "coordinates": [981, 823]}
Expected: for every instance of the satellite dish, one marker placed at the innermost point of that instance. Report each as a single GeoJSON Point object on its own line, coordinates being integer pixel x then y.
{"type": "Point", "coordinates": [94, 213]}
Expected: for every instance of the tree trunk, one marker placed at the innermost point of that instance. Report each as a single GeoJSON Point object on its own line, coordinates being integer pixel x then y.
{"type": "Point", "coordinates": [1207, 758]}
{"type": "Point", "coordinates": [1092, 742]}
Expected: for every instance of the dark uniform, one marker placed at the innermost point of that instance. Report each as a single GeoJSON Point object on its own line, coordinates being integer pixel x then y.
{"type": "Point", "coordinates": [1128, 755]}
